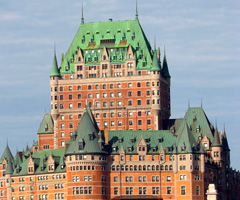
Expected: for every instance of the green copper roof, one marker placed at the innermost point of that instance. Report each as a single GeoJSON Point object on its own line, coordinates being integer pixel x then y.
{"type": "Point", "coordinates": [40, 162]}
{"type": "Point", "coordinates": [165, 71]}
{"type": "Point", "coordinates": [216, 139]}
{"type": "Point", "coordinates": [18, 159]}
{"type": "Point", "coordinates": [55, 70]}
{"type": "Point", "coordinates": [225, 141]}
{"type": "Point", "coordinates": [91, 38]}
{"type": "Point", "coordinates": [128, 140]}
{"type": "Point", "coordinates": [7, 155]}
{"type": "Point", "coordinates": [197, 122]}
{"type": "Point", "coordinates": [186, 140]}
{"type": "Point", "coordinates": [87, 135]}
{"type": "Point", "coordinates": [9, 168]}
{"type": "Point", "coordinates": [155, 64]}
{"type": "Point", "coordinates": [46, 125]}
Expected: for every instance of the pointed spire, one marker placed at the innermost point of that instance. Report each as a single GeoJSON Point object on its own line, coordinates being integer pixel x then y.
{"type": "Point", "coordinates": [225, 141]}
{"type": "Point", "coordinates": [82, 19]}
{"type": "Point", "coordinates": [216, 139]}
{"type": "Point", "coordinates": [55, 70]}
{"type": "Point", "coordinates": [155, 63]}
{"type": "Point", "coordinates": [9, 168]}
{"type": "Point", "coordinates": [165, 71]}
{"type": "Point", "coordinates": [136, 11]}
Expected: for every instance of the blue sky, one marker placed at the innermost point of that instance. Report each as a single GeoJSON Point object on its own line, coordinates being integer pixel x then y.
{"type": "Point", "coordinates": [202, 45]}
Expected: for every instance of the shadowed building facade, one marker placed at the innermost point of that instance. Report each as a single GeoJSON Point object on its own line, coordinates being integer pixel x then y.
{"type": "Point", "coordinates": [109, 135]}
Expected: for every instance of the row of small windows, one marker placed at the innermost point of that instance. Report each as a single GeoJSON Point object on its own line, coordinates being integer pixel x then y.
{"type": "Point", "coordinates": [111, 86]}
{"type": "Point", "coordinates": [141, 190]}
{"type": "Point", "coordinates": [142, 168]}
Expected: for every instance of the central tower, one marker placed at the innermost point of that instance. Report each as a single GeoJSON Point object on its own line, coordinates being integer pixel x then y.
{"type": "Point", "coordinates": [111, 68]}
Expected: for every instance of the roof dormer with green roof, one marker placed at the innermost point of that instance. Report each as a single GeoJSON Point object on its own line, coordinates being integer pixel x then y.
{"type": "Point", "coordinates": [116, 36]}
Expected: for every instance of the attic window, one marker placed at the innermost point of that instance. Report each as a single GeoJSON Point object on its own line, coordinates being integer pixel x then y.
{"type": "Point", "coordinates": [119, 31]}
{"type": "Point", "coordinates": [66, 68]}
{"type": "Point", "coordinates": [154, 149]}
{"type": "Point", "coordinates": [147, 140]}
{"type": "Point", "coordinates": [88, 33]}
{"type": "Point", "coordinates": [132, 140]}
{"type": "Point", "coordinates": [80, 147]}
{"type": "Point", "coordinates": [90, 137]}
{"type": "Point", "coordinates": [183, 148]}
{"type": "Point", "coordinates": [198, 129]}
{"type": "Point", "coordinates": [160, 140]}
{"type": "Point", "coordinates": [170, 149]}
{"type": "Point", "coordinates": [108, 31]}
{"type": "Point", "coordinates": [130, 149]}
{"type": "Point", "coordinates": [114, 149]}
{"type": "Point", "coordinates": [120, 140]}
{"type": "Point", "coordinates": [97, 32]}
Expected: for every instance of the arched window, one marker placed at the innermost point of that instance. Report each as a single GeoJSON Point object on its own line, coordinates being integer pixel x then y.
{"type": "Point", "coordinates": [161, 167]}
{"type": "Point", "coordinates": [104, 57]}
{"type": "Point", "coordinates": [126, 168]}
{"type": "Point", "coordinates": [153, 168]}
{"type": "Point", "coordinates": [157, 168]}
{"type": "Point", "coordinates": [148, 167]}
{"type": "Point", "coordinates": [117, 167]}
{"type": "Point", "coordinates": [79, 59]}
{"type": "Point", "coordinates": [135, 167]}
{"type": "Point", "coordinates": [170, 167]}
{"type": "Point", "coordinates": [144, 167]}
{"type": "Point", "coordinates": [113, 168]}
{"type": "Point", "coordinates": [131, 167]}
{"type": "Point", "coordinates": [166, 167]}
{"type": "Point", "coordinates": [140, 167]}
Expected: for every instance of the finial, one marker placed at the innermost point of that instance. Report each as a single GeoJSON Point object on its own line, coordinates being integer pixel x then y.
{"type": "Point", "coordinates": [188, 103]}
{"type": "Point", "coordinates": [54, 48]}
{"type": "Point", "coordinates": [7, 141]}
{"type": "Point", "coordinates": [136, 11]}
{"type": "Point", "coordinates": [154, 42]}
{"type": "Point", "coordinates": [82, 20]}
{"type": "Point", "coordinates": [201, 103]}
{"type": "Point", "coordinates": [164, 50]}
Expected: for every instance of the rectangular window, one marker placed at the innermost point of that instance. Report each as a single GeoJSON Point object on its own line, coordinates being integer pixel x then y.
{"type": "Point", "coordinates": [115, 190]}
{"type": "Point", "coordinates": [169, 190]}
{"type": "Point", "coordinates": [183, 190]}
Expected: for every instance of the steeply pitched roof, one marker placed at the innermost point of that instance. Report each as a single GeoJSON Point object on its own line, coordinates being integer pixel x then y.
{"type": "Point", "coordinates": [186, 140]}
{"type": "Point", "coordinates": [197, 122]}
{"type": "Point", "coordinates": [90, 36]}
{"type": "Point", "coordinates": [40, 160]}
{"type": "Point", "coordinates": [128, 139]}
{"type": "Point", "coordinates": [225, 141]}
{"type": "Point", "coordinates": [155, 63]}
{"type": "Point", "coordinates": [7, 154]}
{"type": "Point", "coordinates": [46, 125]}
{"type": "Point", "coordinates": [165, 71]}
{"type": "Point", "coordinates": [216, 139]}
{"type": "Point", "coordinates": [86, 133]}
{"type": "Point", "coordinates": [55, 70]}
{"type": "Point", "coordinates": [9, 168]}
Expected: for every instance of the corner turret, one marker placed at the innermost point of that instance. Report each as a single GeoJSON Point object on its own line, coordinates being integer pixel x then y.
{"type": "Point", "coordinates": [55, 70]}
{"type": "Point", "coordinates": [165, 71]}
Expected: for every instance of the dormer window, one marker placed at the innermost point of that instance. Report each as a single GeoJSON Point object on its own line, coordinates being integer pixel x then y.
{"type": "Point", "coordinates": [80, 147]}
{"type": "Point", "coordinates": [90, 137]}
{"type": "Point", "coordinates": [183, 148]}
{"type": "Point", "coordinates": [120, 140]}
{"type": "Point", "coordinates": [114, 149]}
{"type": "Point", "coordinates": [147, 140]}
{"type": "Point", "coordinates": [154, 149]}
{"type": "Point", "coordinates": [46, 127]}
{"type": "Point", "coordinates": [205, 145]}
{"type": "Point", "coordinates": [130, 149]}
{"type": "Point", "coordinates": [132, 140]}
{"type": "Point", "coordinates": [160, 140]}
